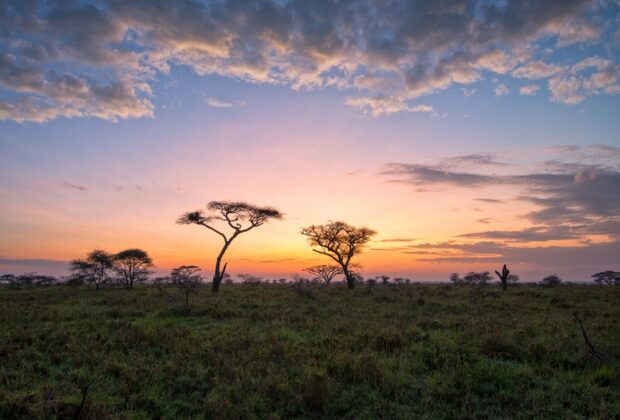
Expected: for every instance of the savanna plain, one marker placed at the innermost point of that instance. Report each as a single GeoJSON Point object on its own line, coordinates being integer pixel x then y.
{"type": "Point", "coordinates": [276, 351]}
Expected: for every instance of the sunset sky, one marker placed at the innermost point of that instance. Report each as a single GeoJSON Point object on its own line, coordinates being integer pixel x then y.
{"type": "Point", "coordinates": [468, 134]}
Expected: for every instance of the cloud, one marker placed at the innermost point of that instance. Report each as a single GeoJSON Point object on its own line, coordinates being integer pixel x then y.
{"type": "Point", "coordinates": [501, 89]}
{"type": "Point", "coordinates": [583, 258]}
{"type": "Point", "coordinates": [529, 90]}
{"type": "Point", "coordinates": [578, 31]}
{"type": "Point", "coordinates": [566, 89]}
{"type": "Point", "coordinates": [474, 159]}
{"type": "Point", "coordinates": [537, 70]}
{"type": "Point", "coordinates": [218, 103]}
{"type": "Point", "coordinates": [583, 196]}
{"type": "Point", "coordinates": [532, 234]}
{"type": "Point", "coordinates": [399, 240]}
{"type": "Point", "coordinates": [489, 200]}
{"type": "Point", "coordinates": [74, 186]}
{"type": "Point", "coordinates": [385, 105]}
{"type": "Point", "coordinates": [102, 59]}
{"type": "Point", "coordinates": [590, 76]}
{"type": "Point", "coordinates": [33, 265]}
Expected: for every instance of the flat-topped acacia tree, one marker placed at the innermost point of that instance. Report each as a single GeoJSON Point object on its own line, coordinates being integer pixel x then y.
{"type": "Point", "coordinates": [340, 242]}
{"type": "Point", "coordinates": [236, 216]}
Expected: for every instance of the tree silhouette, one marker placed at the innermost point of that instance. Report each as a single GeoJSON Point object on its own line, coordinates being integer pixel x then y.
{"type": "Point", "coordinates": [503, 276]}
{"type": "Point", "coordinates": [325, 272]}
{"type": "Point", "coordinates": [609, 278]}
{"type": "Point", "coordinates": [340, 242]}
{"type": "Point", "coordinates": [384, 280]}
{"type": "Point", "coordinates": [95, 268]}
{"type": "Point", "coordinates": [479, 279]}
{"type": "Point", "coordinates": [186, 277]}
{"type": "Point", "coordinates": [551, 281]}
{"type": "Point", "coordinates": [132, 266]}
{"type": "Point", "coordinates": [238, 216]}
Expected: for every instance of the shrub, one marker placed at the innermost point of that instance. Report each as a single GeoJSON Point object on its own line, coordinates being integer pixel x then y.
{"type": "Point", "coordinates": [551, 281]}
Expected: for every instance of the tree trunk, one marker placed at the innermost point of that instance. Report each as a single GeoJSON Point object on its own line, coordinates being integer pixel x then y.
{"type": "Point", "coordinates": [349, 277]}
{"type": "Point", "coordinates": [215, 287]}
{"type": "Point", "coordinates": [217, 275]}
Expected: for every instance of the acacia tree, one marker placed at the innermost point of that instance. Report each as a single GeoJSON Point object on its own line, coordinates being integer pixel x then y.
{"type": "Point", "coordinates": [478, 279]}
{"type": "Point", "coordinates": [132, 266]}
{"type": "Point", "coordinates": [551, 281]}
{"type": "Point", "coordinates": [186, 277]}
{"type": "Point", "coordinates": [609, 278]}
{"type": "Point", "coordinates": [325, 272]}
{"type": "Point", "coordinates": [95, 268]}
{"type": "Point", "coordinates": [340, 242]}
{"type": "Point", "coordinates": [236, 215]}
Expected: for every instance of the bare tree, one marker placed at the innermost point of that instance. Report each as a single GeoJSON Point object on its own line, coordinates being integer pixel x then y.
{"type": "Point", "coordinates": [590, 350]}
{"type": "Point", "coordinates": [609, 278]}
{"type": "Point", "coordinates": [186, 277]}
{"type": "Point", "coordinates": [503, 276]}
{"type": "Point", "coordinates": [325, 272]}
{"type": "Point", "coordinates": [95, 268]}
{"type": "Point", "coordinates": [238, 216]}
{"type": "Point", "coordinates": [340, 242]}
{"type": "Point", "coordinates": [132, 266]}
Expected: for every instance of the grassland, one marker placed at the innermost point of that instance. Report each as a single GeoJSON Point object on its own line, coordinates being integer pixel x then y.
{"type": "Point", "coordinates": [411, 351]}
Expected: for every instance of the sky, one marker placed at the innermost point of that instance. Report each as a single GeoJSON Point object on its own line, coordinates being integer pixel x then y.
{"type": "Point", "coordinates": [468, 134]}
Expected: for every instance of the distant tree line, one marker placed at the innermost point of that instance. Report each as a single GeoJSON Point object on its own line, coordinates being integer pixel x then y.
{"type": "Point", "coordinates": [337, 240]}
{"type": "Point", "coordinates": [99, 267]}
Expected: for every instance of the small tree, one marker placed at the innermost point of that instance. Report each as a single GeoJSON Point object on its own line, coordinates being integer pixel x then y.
{"type": "Point", "coordinates": [551, 281]}
{"type": "Point", "coordinates": [8, 280]}
{"type": "Point", "coordinates": [238, 216]}
{"type": "Point", "coordinates": [513, 278]}
{"type": "Point", "coordinates": [95, 268]}
{"type": "Point", "coordinates": [456, 278]}
{"type": "Point", "coordinates": [607, 278]}
{"type": "Point", "coordinates": [384, 280]}
{"type": "Point", "coordinates": [503, 276]}
{"type": "Point", "coordinates": [250, 280]}
{"type": "Point", "coordinates": [340, 242]}
{"type": "Point", "coordinates": [325, 272]}
{"type": "Point", "coordinates": [26, 279]}
{"type": "Point", "coordinates": [186, 278]}
{"type": "Point", "coordinates": [478, 279]}
{"type": "Point", "coordinates": [132, 266]}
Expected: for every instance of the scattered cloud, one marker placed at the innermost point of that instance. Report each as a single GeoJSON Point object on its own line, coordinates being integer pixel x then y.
{"type": "Point", "coordinates": [489, 200]}
{"type": "Point", "coordinates": [399, 240]}
{"type": "Point", "coordinates": [384, 105]}
{"type": "Point", "coordinates": [468, 91]}
{"type": "Point", "coordinates": [86, 59]}
{"type": "Point", "coordinates": [501, 89]}
{"type": "Point", "coordinates": [219, 103]}
{"type": "Point", "coordinates": [475, 159]}
{"type": "Point", "coordinates": [537, 70]}
{"type": "Point", "coordinates": [529, 90]}
{"type": "Point", "coordinates": [572, 200]}
{"type": "Point", "coordinates": [74, 186]}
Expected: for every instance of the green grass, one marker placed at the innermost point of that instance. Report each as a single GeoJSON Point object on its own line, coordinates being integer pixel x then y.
{"type": "Point", "coordinates": [418, 351]}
